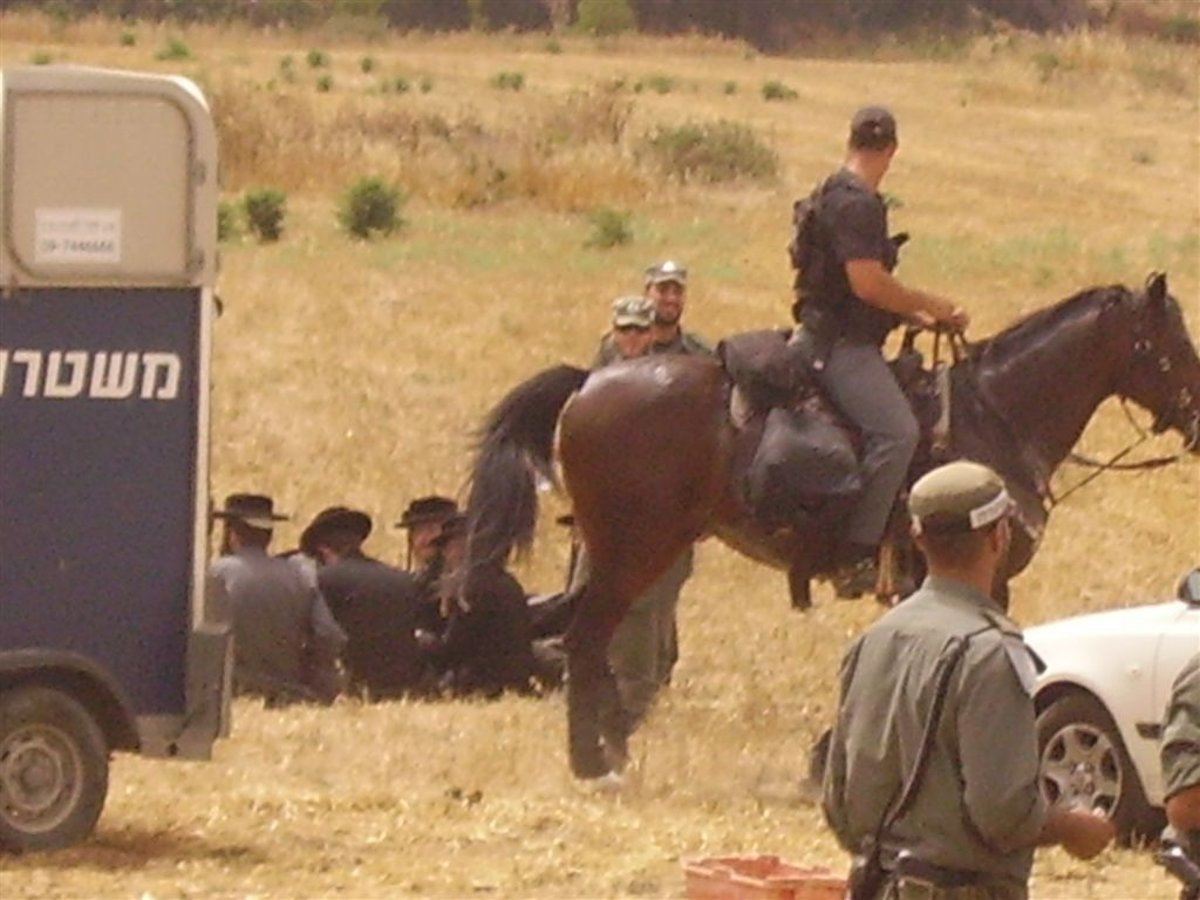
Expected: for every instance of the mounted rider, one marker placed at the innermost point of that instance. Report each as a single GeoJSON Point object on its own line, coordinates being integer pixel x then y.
{"type": "Point", "coordinates": [848, 302]}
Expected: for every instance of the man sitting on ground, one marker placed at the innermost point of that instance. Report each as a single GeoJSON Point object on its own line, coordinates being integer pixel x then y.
{"type": "Point", "coordinates": [423, 521]}
{"type": "Point", "coordinates": [374, 603]}
{"type": "Point", "coordinates": [486, 648]}
{"type": "Point", "coordinates": [286, 643]}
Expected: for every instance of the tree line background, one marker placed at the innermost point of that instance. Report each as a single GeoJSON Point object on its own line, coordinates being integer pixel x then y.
{"type": "Point", "coordinates": [770, 25]}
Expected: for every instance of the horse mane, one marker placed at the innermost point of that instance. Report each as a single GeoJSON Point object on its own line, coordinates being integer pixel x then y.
{"type": "Point", "coordinates": [1019, 333]}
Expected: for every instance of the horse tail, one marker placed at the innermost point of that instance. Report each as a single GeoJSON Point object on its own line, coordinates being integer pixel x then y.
{"type": "Point", "coordinates": [514, 450]}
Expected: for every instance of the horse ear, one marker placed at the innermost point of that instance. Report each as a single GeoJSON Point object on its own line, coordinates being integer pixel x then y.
{"type": "Point", "coordinates": [1156, 287]}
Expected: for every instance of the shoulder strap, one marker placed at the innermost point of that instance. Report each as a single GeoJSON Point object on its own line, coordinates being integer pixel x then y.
{"type": "Point", "coordinates": [945, 670]}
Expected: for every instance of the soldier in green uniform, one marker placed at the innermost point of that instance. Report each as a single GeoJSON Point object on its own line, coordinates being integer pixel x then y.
{"type": "Point", "coordinates": [969, 824]}
{"type": "Point", "coordinates": [666, 289]}
{"type": "Point", "coordinates": [1181, 761]}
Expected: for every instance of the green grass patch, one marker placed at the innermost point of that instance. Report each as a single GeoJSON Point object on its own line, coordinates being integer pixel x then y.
{"type": "Point", "coordinates": [777, 90]}
{"type": "Point", "coordinates": [174, 49]}
{"type": "Point", "coordinates": [508, 81]}
{"type": "Point", "coordinates": [657, 84]}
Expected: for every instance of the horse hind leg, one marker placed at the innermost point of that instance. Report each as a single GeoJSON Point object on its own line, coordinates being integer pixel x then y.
{"type": "Point", "coordinates": [598, 723]}
{"type": "Point", "coordinates": [593, 706]}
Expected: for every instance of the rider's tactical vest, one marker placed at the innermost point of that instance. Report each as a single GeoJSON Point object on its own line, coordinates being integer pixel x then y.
{"type": "Point", "coordinates": [825, 303]}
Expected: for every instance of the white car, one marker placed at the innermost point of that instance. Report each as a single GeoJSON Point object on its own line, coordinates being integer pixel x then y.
{"type": "Point", "coordinates": [1101, 700]}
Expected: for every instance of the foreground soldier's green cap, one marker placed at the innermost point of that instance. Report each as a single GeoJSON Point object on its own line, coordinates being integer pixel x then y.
{"type": "Point", "coordinates": [636, 311]}
{"type": "Point", "coordinates": [958, 497]}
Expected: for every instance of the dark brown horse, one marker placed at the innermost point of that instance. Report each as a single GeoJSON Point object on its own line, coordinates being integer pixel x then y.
{"type": "Point", "coordinates": [647, 448]}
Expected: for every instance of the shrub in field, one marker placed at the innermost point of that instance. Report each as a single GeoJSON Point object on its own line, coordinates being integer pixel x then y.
{"type": "Point", "coordinates": [325, 83]}
{"type": "Point", "coordinates": [660, 84]}
{"type": "Point", "coordinates": [425, 85]}
{"type": "Point", "coordinates": [371, 206]}
{"type": "Point", "coordinates": [508, 81]}
{"type": "Point", "coordinates": [1047, 62]}
{"type": "Point", "coordinates": [777, 90]}
{"type": "Point", "coordinates": [397, 85]}
{"type": "Point", "coordinates": [41, 58]}
{"type": "Point", "coordinates": [610, 228]}
{"type": "Point", "coordinates": [605, 17]}
{"type": "Point", "coordinates": [553, 46]}
{"type": "Point", "coordinates": [1182, 29]}
{"type": "Point", "coordinates": [710, 152]}
{"type": "Point", "coordinates": [730, 87]}
{"type": "Point", "coordinates": [128, 38]}
{"type": "Point", "coordinates": [175, 49]}
{"type": "Point", "coordinates": [265, 209]}
{"type": "Point", "coordinates": [228, 226]}
{"type": "Point", "coordinates": [317, 59]}
{"type": "Point", "coordinates": [367, 65]}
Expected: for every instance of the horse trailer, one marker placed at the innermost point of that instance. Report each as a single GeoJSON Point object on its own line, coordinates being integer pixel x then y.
{"type": "Point", "coordinates": [109, 640]}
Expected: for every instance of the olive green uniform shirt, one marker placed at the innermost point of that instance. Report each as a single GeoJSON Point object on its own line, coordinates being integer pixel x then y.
{"type": "Point", "coordinates": [1180, 747]}
{"type": "Point", "coordinates": [684, 342]}
{"type": "Point", "coordinates": [1181, 732]}
{"type": "Point", "coordinates": [978, 808]}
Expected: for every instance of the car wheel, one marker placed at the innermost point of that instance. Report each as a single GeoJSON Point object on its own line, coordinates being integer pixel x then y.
{"type": "Point", "coordinates": [1083, 764]}
{"type": "Point", "coordinates": [53, 770]}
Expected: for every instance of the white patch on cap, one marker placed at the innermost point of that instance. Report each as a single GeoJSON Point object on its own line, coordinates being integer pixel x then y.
{"type": "Point", "coordinates": [991, 511]}
{"type": "Point", "coordinates": [998, 506]}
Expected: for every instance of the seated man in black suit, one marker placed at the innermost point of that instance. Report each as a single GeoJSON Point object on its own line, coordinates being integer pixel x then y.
{"type": "Point", "coordinates": [374, 603]}
{"type": "Point", "coordinates": [486, 647]}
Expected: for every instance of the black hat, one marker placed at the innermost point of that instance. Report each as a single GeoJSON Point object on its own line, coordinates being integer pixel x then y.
{"type": "Point", "coordinates": [872, 128]}
{"type": "Point", "coordinates": [433, 508]}
{"type": "Point", "coordinates": [334, 519]}
{"type": "Point", "coordinates": [256, 510]}
{"type": "Point", "coordinates": [455, 526]}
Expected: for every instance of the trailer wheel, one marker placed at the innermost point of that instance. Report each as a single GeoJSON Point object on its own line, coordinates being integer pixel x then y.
{"type": "Point", "coordinates": [53, 770]}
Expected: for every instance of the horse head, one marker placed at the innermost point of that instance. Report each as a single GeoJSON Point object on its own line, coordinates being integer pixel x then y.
{"type": "Point", "coordinates": [1163, 369]}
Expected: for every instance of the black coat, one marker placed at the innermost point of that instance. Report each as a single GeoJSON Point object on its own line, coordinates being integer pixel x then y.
{"type": "Point", "coordinates": [376, 605]}
{"type": "Point", "coordinates": [486, 648]}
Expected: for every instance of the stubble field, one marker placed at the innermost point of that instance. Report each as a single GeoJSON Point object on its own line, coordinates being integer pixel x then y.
{"type": "Point", "coordinates": [350, 372]}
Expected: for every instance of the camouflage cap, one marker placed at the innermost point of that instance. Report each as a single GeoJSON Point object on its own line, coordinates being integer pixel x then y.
{"type": "Point", "coordinates": [634, 311]}
{"type": "Point", "coordinates": [958, 497]}
{"type": "Point", "coordinates": [667, 270]}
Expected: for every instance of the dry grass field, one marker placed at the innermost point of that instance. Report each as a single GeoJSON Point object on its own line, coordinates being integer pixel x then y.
{"type": "Point", "coordinates": [351, 372]}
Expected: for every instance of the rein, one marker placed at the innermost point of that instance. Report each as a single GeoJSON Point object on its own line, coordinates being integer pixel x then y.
{"type": "Point", "coordinates": [1114, 464]}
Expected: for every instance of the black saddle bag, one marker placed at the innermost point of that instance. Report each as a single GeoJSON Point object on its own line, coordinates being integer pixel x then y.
{"type": "Point", "coordinates": [803, 463]}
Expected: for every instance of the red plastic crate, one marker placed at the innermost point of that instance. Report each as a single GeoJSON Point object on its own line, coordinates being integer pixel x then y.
{"type": "Point", "coordinates": [759, 878]}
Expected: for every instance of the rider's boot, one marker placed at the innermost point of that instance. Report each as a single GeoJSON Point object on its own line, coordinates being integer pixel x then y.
{"type": "Point", "coordinates": [858, 573]}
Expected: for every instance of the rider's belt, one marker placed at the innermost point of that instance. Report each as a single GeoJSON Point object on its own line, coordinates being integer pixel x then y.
{"type": "Point", "coordinates": [910, 868]}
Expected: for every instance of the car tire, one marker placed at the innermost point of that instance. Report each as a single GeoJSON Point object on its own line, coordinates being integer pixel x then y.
{"type": "Point", "coordinates": [53, 770]}
{"type": "Point", "coordinates": [1083, 763]}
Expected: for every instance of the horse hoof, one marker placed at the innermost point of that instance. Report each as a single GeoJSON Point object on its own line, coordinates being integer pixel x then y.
{"type": "Point", "coordinates": [608, 783]}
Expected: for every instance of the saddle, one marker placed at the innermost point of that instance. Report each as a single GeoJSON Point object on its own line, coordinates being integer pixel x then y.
{"type": "Point", "coordinates": [796, 458]}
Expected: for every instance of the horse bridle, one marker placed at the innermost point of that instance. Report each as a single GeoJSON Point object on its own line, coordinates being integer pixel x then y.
{"type": "Point", "coordinates": [1183, 401]}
